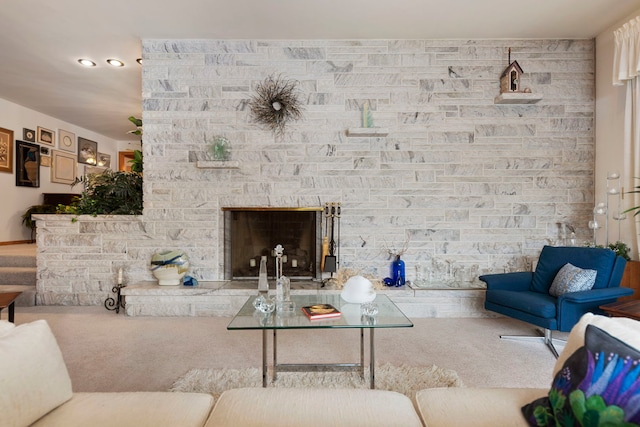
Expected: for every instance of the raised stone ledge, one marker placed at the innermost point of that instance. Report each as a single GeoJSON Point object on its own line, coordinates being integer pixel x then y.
{"type": "Point", "coordinates": [225, 298]}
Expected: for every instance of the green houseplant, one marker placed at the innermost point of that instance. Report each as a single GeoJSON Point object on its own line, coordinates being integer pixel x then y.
{"type": "Point", "coordinates": [29, 222]}
{"type": "Point", "coordinates": [621, 249]}
{"type": "Point", "coordinates": [109, 193]}
{"type": "Point", "coordinates": [136, 163]}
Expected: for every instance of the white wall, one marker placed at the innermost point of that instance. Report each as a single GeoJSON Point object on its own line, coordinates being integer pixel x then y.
{"type": "Point", "coordinates": [610, 102]}
{"type": "Point", "coordinates": [16, 200]}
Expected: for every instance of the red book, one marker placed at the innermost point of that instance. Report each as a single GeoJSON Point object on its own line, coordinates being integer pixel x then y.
{"type": "Point", "coordinates": [321, 311]}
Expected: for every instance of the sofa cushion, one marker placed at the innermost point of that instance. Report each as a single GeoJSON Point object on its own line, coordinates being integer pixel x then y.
{"type": "Point", "coordinates": [552, 259]}
{"type": "Point", "coordinates": [141, 409]}
{"type": "Point", "coordinates": [33, 377]}
{"type": "Point", "coordinates": [537, 304]}
{"type": "Point", "coordinates": [477, 407]}
{"type": "Point", "coordinates": [6, 326]}
{"type": "Point", "coordinates": [599, 384]}
{"type": "Point", "coordinates": [627, 330]}
{"type": "Point", "coordinates": [572, 279]}
{"type": "Point", "coordinates": [295, 407]}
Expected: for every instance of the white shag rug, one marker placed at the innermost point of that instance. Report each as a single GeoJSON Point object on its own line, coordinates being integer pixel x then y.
{"type": "Point", "coordinates": [403, 379]}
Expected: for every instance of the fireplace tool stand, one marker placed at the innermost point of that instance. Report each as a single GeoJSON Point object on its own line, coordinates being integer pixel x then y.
{"type": "Point", "coordinates": [331, 250]}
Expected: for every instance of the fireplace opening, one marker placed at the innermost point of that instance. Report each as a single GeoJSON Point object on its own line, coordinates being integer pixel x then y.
{"type": "Point", "coordinates": [253, 233]}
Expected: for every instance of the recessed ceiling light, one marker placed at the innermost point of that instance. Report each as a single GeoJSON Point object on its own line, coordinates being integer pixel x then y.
{"type": "Point", "coordinates": [115, 62]}
{"type": "Point", "coordinates": [139, 61]}
{"type": "Point", "coordinates": [87, 62]}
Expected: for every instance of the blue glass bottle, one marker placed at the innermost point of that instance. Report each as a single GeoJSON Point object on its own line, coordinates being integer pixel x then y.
{"type": "Point", "coordinates": [397, 272]}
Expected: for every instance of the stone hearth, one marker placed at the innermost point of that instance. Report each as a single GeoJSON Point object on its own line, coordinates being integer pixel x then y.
{"type": "Point", "coordinates": [225, 298]}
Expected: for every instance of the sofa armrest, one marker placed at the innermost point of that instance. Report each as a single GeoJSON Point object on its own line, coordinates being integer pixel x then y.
{"type": "Point", "coordinates": [595, 295]}
{"type": "Point", "coordinates": [517, 281]}
{"type": "Point", "coordinates": [477, 407]}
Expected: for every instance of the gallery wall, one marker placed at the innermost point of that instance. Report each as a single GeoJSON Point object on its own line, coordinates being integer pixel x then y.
{"type": "Point", "coordinates": [17, 199]}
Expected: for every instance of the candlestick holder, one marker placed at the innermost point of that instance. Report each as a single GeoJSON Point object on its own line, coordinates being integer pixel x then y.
{"type": "Point", "coordinates": [114, 304]}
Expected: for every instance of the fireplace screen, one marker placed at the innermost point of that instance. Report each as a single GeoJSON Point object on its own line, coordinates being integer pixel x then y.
{"type": "Point", "coordinates": [253, 233]}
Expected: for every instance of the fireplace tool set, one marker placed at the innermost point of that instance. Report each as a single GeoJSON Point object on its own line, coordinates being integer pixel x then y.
{"type": "Point", "coordinates": [331, 248]}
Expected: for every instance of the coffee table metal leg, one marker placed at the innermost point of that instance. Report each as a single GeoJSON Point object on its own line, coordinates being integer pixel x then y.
{"type": "Point", "coordinates": [362, 353]}
{"type": "Point", "coordinates": [264, 358]}
{"type": "Point", "coordinates": [275, 355]}
{"type": "Point", "coordinates": [372, 359]}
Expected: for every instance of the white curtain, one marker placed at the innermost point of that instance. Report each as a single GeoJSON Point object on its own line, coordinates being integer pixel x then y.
{"type": "Point", "coordinates": [626, 69]}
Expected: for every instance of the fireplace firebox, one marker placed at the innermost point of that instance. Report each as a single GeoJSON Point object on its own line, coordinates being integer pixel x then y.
{"type": "Point", "coordinates": [252, 233]}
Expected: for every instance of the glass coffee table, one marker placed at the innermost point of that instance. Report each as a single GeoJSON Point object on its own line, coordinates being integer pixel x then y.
{"type": "Point", "coordinates": [389, 316]}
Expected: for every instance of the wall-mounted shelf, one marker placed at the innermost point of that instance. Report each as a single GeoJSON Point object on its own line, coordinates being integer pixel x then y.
{"type": "Point", "coordinates": [517, 98]}
{"type": "Point", "coordinates": [367, 132]}
{"type": "Point", "coordinates": [211, 164]}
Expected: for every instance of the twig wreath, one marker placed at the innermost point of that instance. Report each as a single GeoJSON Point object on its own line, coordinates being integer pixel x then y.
{"type": "Point", "coordinates": [276, 102]}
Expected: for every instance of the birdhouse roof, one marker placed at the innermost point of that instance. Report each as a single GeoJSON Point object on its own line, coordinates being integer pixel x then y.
{"type": "Point", "coordinates": [515, 65]}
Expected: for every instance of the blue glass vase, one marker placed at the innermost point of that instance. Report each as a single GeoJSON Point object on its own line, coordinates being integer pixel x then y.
{"type": "Point", "coordinates": [397, 272]}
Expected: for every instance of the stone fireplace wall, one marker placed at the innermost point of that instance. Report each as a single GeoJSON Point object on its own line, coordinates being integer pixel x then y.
{"type": "Point", "coordinates": [470, 184]}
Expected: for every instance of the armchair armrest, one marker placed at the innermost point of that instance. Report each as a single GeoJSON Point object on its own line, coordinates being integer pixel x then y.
{"type": "Point", "coordinates": [595, 295]}
{"type": "Point", "coordinates": [518, 281]}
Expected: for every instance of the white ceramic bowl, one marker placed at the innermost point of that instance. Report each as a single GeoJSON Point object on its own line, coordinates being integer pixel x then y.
{"type": "Point", "coordinates": [358, 290]}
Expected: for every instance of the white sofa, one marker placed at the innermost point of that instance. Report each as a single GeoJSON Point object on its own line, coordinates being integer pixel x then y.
{"type": "Point", "coordinates": [489, 407]}
{"type": "Point", "coordinates": [35, 389]}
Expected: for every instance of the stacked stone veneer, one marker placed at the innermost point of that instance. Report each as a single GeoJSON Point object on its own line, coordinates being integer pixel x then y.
{"type": "Point", "coordinates": [470, 183]}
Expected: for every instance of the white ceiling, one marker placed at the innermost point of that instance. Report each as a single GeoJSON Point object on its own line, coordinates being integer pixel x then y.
{"type": "Point", "coordinates": [40, 40]}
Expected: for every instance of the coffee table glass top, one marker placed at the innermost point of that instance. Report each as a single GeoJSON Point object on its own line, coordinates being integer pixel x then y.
{"type": "Point", "coordinates": [389, 315]}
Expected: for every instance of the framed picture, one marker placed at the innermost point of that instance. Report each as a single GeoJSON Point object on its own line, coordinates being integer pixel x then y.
{"type": "Point", "coordinates": [104, 160]}
{"type": "Point", "coordinates": [46, 136]}
{"type": "Point", "coordinates": [45, 161]}
{"type": "Point", "coordinates": [87, 151]}
{"type": "Point", "coordinates": [27, 164]}
{"type": "Point", "coordinates": [29, 135]}
{"type": "Point", "coordinates": [6, 150]}
{"type": "Point", "coordinates": [91, 170]}
{"type": "Point", "coordinates": [44, 151]}
{"type": "Point", "coordinates": [67, 141]}
{"type": "Point", "coordinates": [63, 167]}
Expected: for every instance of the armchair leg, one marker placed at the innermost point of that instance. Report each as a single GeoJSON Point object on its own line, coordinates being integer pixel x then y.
{"type": "Point", "coordinates": [544, 337]}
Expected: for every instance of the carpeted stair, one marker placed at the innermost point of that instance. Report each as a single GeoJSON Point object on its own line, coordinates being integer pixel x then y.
{"type": "Point", "coordinates": [18, 273]}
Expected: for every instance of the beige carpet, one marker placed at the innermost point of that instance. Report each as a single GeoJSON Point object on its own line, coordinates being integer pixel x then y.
{"type": "Point", "coordinates": [105, 351]}
{"type": "Point", "coordinates": [402, 379]}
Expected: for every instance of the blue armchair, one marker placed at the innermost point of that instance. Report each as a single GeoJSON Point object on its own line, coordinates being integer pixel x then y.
{"type": "Point", "coordinates": [525, 295]}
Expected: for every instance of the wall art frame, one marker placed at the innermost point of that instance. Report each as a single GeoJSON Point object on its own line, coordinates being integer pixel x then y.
{"type": "Point", "coordinates": [87, 151]}
{"type": "Point", "coordinates": [29, 135]}
{"type": "Point", "coordinates": [104, 160]}
{"type": "Point", "coordinates": [46, 136]}
{"type": "Point", "coordinates": [27, 164]}
{"type": "Point", "coordinates": [67, 141]}
{"type": "Point", "coordinates": [93, 170]}
{"type": "Point", "coordinates": [63, 167]}
{"type": "Point", "coordinates": [6, 150]}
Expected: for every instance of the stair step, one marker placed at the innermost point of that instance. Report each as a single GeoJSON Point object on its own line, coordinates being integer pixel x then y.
{"type": "Point", "coordinates": [18, 272]}
{"type": "Point", "coordinates": [28, 296]}
{"type": "Point", "coordinates": [17, 276]}
{"type": "Point", "coordinates": [17, 261]}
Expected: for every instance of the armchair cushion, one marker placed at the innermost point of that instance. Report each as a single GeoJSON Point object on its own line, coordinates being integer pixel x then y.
{"type": "Point", "coordinates": [552, 259]}
{"type": "Point", "coordinates": [572, 279]}
{"type": "Point", "coordinates": [540, 305]}
{"type": "Point", "coordinates": [599, 384]}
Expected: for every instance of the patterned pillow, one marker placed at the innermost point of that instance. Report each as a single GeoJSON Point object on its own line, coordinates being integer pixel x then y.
{"type": "Point", "coordinates": [599, 385]}
{"type": "Point", "coordinates": [572, 279]}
